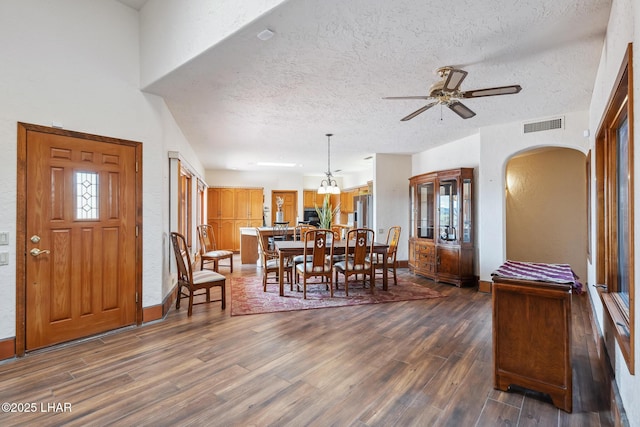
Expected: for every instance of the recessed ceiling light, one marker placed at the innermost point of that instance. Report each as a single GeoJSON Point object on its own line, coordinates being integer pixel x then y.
{"type": "Point", "coordinates": [276, 164]}
{"type": "Point", "coordinates": [265, 34]}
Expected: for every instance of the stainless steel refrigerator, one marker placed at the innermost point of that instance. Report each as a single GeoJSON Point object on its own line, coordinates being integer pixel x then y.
{"type": "Point", "coordinates": [364, 211]}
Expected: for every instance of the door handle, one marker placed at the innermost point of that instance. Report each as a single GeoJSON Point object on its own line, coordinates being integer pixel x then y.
{"type": "Point", "coordinates": [36, 251]}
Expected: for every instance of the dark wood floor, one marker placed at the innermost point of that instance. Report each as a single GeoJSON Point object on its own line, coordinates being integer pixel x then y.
{"type": "Point", "coordinates": [417, 363]}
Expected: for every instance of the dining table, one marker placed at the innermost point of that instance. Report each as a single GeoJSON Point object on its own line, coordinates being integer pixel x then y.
{"type": "Point", "coordinates": [291, 248]}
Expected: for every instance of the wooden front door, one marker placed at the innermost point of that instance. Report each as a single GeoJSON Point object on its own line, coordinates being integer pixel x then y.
{"type": "Point", "coordinates": [80, 245]}
{"type": "Point", "coordinates": [290, 206]}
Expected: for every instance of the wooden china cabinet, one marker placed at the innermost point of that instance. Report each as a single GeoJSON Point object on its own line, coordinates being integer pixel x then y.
{"type": "Point", "coordinates": [441, 226]}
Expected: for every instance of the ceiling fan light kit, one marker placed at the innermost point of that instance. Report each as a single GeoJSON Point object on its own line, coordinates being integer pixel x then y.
{"type": "Point", "coordinates": [447, 92]}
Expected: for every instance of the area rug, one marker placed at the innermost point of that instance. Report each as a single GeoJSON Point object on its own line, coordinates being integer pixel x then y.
{"type": "Point", "coordinates": [247, 296]}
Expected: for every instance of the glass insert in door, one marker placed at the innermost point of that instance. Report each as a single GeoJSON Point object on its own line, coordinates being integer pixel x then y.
{"type": "Point", "coordinates": [86, 195]}
{"type": "Point", "coordinates": [466, 211]}
{"type": "Point", "coordinates": [448, 210]}
{"type": "Point", "coordinates": [425, 210]}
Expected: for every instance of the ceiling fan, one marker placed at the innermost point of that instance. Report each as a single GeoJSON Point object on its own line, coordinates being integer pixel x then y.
{"type": "Point", "coordinates": [447, 92]}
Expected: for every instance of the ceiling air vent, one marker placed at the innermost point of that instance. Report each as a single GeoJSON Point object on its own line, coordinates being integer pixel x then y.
{"type": "Point", "coordinates": [557, 123]}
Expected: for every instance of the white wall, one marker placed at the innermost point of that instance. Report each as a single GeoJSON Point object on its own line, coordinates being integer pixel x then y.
{"type": "Point", "coordinates": [391, 198]}
{"type": "Point", "coordinates": [358, 179]}
{"type": "Point", "coordinates": [463, 153]}
{"type": "Point", "coordinates": [623, 23]}
{"type": "Point", "coordinates": [497, 145]}
{"type": "Point", "coordinates": [175, 31]}
{"type": "Point", "coordinates": [76, 62]}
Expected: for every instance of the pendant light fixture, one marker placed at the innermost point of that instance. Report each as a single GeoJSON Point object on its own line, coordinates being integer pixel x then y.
{"type": "Point", "coordinates": [329, 185]}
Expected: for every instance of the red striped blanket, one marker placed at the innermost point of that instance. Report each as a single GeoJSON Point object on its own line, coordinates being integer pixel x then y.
{"type": "Point", "coordinates": [555, 273]}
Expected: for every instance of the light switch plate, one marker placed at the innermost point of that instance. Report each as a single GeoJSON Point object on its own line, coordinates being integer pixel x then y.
{"type": "Point", "coordinates": [4, 258]}
{"type": "Point", "coordinates": [4, 238]}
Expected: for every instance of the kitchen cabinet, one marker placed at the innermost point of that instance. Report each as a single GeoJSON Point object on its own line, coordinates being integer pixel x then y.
{"type": "Point", "coordinates": [223, 230]}
{"type": "Point", "coordinates": [228, 209]}
{"type": "Point", "coordinates": [220, 203]}
{"type": "Point", "coordinates": [346, 201]}
{"type": "Point", "coordinates": [308, 198]}
{"type": "Point", "coordinates": [249, 203]}
{"type": "Point", "coordinates": [441, 226]}
{"type": "Point", "coordinates": [311, 198]}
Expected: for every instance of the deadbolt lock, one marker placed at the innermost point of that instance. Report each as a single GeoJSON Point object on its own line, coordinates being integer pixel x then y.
{"type": "Point", "coordinates": [35, 238]}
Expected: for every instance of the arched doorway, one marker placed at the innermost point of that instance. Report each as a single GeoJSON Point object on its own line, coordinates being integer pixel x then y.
{"type": "Point", "coordinates": [546, 207]}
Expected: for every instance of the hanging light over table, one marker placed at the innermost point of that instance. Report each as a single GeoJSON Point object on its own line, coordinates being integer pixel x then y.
{"type": "Point", "coordinates": [329, 185]}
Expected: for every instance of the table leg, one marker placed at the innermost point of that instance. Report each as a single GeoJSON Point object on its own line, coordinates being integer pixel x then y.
{"type": "Point", "coordinates": [281, 272]}
{"type": "Point", "coordinates": [385, 276]}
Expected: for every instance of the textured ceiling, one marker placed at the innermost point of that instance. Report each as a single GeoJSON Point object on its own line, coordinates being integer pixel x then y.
{"type": "Point", "coordinates": [331, 62]}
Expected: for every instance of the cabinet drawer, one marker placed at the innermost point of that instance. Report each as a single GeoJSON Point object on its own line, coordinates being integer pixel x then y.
{"type": "Point", "coordinates": [425, 258]}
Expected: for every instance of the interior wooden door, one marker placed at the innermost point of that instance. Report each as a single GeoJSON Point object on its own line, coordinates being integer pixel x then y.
{"type": "Point", "coordinates": [289, 207]}
{"type": "Point", "coordinates": [80, 237]}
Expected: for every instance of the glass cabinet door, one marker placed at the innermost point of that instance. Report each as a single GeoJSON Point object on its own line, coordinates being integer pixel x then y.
{"type": "Point", "coordinates": [425, 214]}
{"type": "Point", "coordinates": [466, 211]}
{"type": "Point", "coordinates": [412, 210]}
{"type": "Point", "coordinates": [448, 210]}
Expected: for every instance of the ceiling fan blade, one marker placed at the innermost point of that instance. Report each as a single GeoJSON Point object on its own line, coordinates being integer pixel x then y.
{"type": "Point", "coordinates": [454, 78]}
{"type": "Point", "coordinates": [408, 97]}
{"type": "Point", "coordinates": [421, 110]}
{"type": "Point", "coordinates": [492, 91]}
{"type": "Point", "coordinates": [460, 109]}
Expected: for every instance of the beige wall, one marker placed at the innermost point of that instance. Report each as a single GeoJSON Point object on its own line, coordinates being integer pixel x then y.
{"type": "Point", "coordinates": [546, 218]}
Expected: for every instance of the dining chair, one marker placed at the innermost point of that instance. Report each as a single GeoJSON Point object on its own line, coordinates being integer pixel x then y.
{"type": "Point", "coordinates": [393, 236]}
{"type": "Point", "coordinates": [318, 258]}
{"type": "Point", "coordinates": [190, 281]}
{"type": "Point", "coordinates": [208, 250]}
{"type": "Point", "coordinates": [338, 235]}
{"type": "Point", "coordinates": [280, 231]}
{"type": "Point", "coordinates": [298, 234]}
{"type": "Point", "coordinates": [359, 250]}
{"type": "Point", "coordinates": [300, 230]}
{"type": "Point", "coordinates": [337, 230]}
{"type": "Point", "coordinates": [270, 262]}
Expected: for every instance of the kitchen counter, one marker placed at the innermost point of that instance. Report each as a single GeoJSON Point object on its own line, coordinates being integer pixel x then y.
{"type": "Point", "coordinates": [249, 243]}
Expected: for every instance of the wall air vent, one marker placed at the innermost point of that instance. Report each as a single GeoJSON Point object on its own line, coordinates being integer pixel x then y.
{"type": "Point", "coordinates": [556, 123]}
